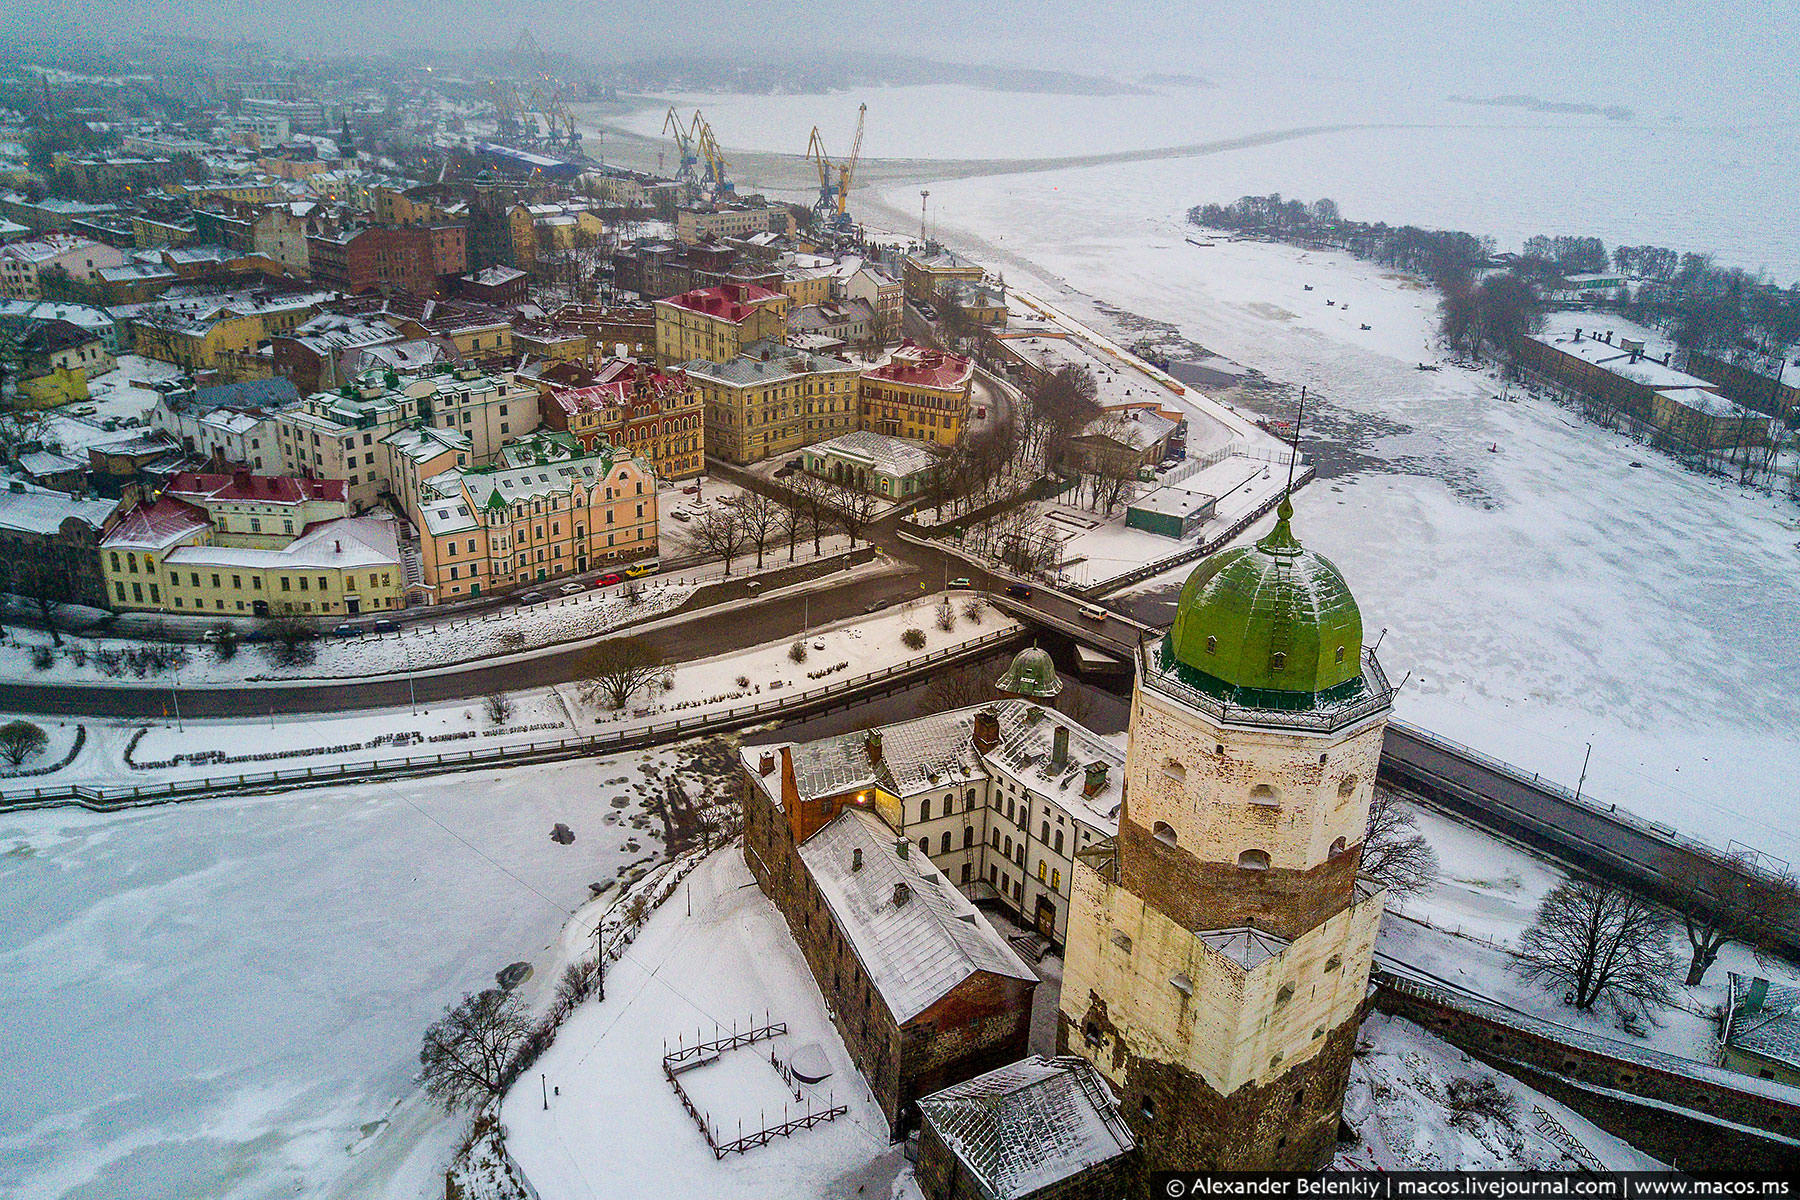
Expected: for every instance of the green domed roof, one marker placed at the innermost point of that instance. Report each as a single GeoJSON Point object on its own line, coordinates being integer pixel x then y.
{"type": "Point", "coordinates": [1271, 625]}
{"type": "Point", "coordinates": [1032, 674]}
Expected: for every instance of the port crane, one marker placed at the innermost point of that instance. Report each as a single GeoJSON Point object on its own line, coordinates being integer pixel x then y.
{"type": "Point", "coordinates": [684, 146]}
{"type": "Point", "coordinates": [715, 182]}
{"type": "Point", "coordinates": [831, 210]}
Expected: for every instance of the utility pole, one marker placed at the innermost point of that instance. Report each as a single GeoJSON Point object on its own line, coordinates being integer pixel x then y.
{"type": "Point", "coordinates": [600, 954]}
{"type": "Point", "coordinates": [923, 196]}
{"type": "Point", "coordinates": [1584, 767]}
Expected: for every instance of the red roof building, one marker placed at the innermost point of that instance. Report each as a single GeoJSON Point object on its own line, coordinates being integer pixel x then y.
{"type": "Point", "coordinates": [715, 323]}
{"type": "Point", "coordinates": [649, 414]}
{"type": "Point", "coordinates": [918, 393]}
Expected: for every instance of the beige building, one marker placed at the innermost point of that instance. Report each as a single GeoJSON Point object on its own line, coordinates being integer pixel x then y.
{"type": "Point", "coordinates": [772, 400]}
{"type": "Point", "coordinates": [729, 220]}
{"type": "Point", "coordinates": [716, 323]}
{"type": "Point", "coordinates": [23, 264]}
{"type": "Point", "coordinates": [483, 531]}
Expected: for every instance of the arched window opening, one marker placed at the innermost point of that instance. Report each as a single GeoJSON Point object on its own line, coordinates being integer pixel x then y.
{"type": "Point", "coordinates": [1174, 770]}
{"type": "Point", "coordinates": [1338, 847]}
{"type": "Point", "coordinates": [944, 843]}
{"type": "Point", "coordinates": [925, 809]}
{"type": "Point", "coordinates": [1057, 844]}
{"type": "Point", "coordinates": [1334, 962]}
{"type": "Point", "coordinates": [1163, 832]}
{"type": "Point", "coordinates": [968, 836]}
{"type": "Point", "coordinates": [1212, 644]}
{"type": "Point", "coordinates": [1254, 860]}
{"type": "Point", "coordinates": [1284, 993]}
{"type": "Point", "coordinates": [1265, 795]}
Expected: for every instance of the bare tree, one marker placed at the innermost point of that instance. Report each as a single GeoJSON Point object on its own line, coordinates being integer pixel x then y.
{"type": "Point", "coordinates": [498, 707]}
{"type": "Point", "coordinates": [957, 688]}
{"type": "Point", "coordinates": [467, 1051]}
{"type": "Point", "coordinates": [293, 641]}
{"type": "Point", "coordinates": [760, 516]}
{"type": "Point", "coordinates": [851, 509]}
{"type": "Point", "coordinates": [1597, 940]}
{"type": "Point", "coordinates": [610, 671]}
{"type": "Point", "coordinates": [810, 497]}
{"type": "Point", "coordinates": [1721, 900]}
{"type": "Point", "coordinates": [20, 740]}
{"type": "Point", "coordinates": [720, 531]}
{"type": "Point", "coordinates": [791, 523]}
{"type": "Point", "coordinates": [1394, 851]}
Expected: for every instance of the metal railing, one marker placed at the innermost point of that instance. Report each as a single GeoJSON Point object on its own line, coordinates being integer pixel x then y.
{"type": "Point", "coordinates": [103, 799]}
{"type": "Point", "coordinates": [1380, 696]}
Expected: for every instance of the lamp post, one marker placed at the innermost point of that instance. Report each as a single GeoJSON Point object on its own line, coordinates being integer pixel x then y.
{"type": "Point", "coordinates": [1584, 767]}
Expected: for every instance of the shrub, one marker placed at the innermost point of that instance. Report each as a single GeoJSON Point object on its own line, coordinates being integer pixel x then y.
{"type": "Point", "coordinates": [20, 740]}
{"type": "Point", "coordinates": [43, 658]}
{"type": "Point", "coordinates": [512, 639]}
{"type": "Point", "coordinates": [946, 615]}
{"type": "Point", "coordinates": [743, 681]}
{"type": "Point", "coordinates": [225, 642]}
{"type": "Point", "coordinates": [913, 639]}
{"type": "Point", "coordinates": [797, 652]}
{"type": "Point", "coordinates": [498, 706]}
{"type": "Point", "coordinates": [972, 610]}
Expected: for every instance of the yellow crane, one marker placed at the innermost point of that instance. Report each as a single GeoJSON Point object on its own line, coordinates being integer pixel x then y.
{"type": "Point", "coordinates": [835, 178]}
{"type": "Point", "coordinates": [684, 144]}
{"type": "Point", "coordinates": [710, 150]}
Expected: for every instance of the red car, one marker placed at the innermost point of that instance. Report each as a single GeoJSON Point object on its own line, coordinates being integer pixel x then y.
{"type": "Point", "coordinates": [608, 580]}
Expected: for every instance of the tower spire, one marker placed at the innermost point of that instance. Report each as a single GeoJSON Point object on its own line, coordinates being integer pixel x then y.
{"type": "Point", "coordinates": [1281, 539]}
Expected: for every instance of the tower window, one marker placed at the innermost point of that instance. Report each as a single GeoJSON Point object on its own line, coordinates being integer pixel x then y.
{"type": "Point", "coordinates": [1278, 661]}
{"type": "Point", "coordinates": [1254, 860]}
{"type": "Point", "coordinates": [1299, 1097]}
{"type": "Point", "coordinates": [1284, 993]}
{"type": "Point", "coordinates": [1175, 771]}
{"type": "Point", "coordinates": [1347, 786]}
{"type": "Point", "coordinates": [1334, 962]}
{"type": "Point", "coordinates": [1340, 654]}
{"type": "Point", "coordinates": [1338, 847]}
{"type": "Point", "coordinates": [1212, 644]}
{"type": "Point", "coordinates": [1181, 983]}
{"type": "Point", "coordinates": [1265, 795]}
{"type": "Point", "coordinates": [1091, 1034]}
{"type": "Point", "coordinates": [1147, 1106]}
{"type": "Point", "coordinates": [1163, 832]}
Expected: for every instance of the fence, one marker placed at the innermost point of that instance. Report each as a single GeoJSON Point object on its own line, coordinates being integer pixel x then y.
{"type": "Point", "coordinates": [106, 799]}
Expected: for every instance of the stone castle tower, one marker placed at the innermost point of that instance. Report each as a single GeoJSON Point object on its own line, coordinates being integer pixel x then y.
{"type": "Point", "coordinates": [1219, 947]}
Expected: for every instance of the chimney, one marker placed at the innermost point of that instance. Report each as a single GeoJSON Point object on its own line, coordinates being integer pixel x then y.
{"type": "Point", "coordinates": [240, 477]}
{"type": "Point", "coordinates": [874, 744]}
{"type": "Point", "coordinates": [1059, 748]}
{"type": "Point", "coordinates": [767, 765]}
{"type": "Point", "coordinates": [1096, 778]}
{"type": "Point", "coordinates": [1578, 333]}
{"type": "Point", "coordinates": [902, 847]}
{"type": "Point", "coordinates": [987, 729]}
{"type": "Point", "coordinates": [337, 545]}
{"type": "Point", "coordinates": [902, 894]}
{"type": "Point", "coordinates": [856, 858]}
{"type": "Point", "coordinates": [1756, 995]}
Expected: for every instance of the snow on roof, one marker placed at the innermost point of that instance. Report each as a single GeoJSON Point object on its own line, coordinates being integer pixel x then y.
{"type": "Point", "coordinates": [1029, 1124]}
{"type": "Point", "coordinates": [41, 462]}
{"type": "Point", "coordinates": [889, 455]}
{"type": "Point", "coordinates": [1173, 502]}
{"type": "Point", "coordinates": [348, 542]}
{"type": "Point", "coordinates": [29, 509]}
{"type": "Point", "coordinates": [765, 362]}
{"type": "Point", "coordinates": [916, 944]}
{"type": "Point", "coordinates": [1138, 428]}
{"type": "Point", "coordinates": [1027, 743]}
{"type": "Point", "coordinates": [1772, 1029]}
{"type": "Point", "coordinates": [1708, 403]}
{"type": "Point", "coordinates": [154, 526]}
{"type": "Point", "coordinates": [426, 442]}
{"type": "Point", "coordinates": [921, 366]}
{"type": "Point", "coordinates": [494, 276]}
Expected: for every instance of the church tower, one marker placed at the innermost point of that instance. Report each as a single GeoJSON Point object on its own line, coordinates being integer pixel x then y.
{"type": "Point", "coordinates": [1219, 947]}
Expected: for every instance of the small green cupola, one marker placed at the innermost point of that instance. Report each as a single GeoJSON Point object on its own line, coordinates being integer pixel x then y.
{"type": "Point", "coordinates": [1271, 626]}
{"type": "Point", "coordinates": [1032, 676]}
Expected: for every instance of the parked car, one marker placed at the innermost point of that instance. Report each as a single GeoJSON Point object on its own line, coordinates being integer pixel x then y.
{"type": "Point", "coordinates": [569, 589]}
{"type": "Point", "coordinates": [347, 631]}
{"type": "Point", "coordinates": [215, 635]}
{"type": "Point", "coordinates": [784, 472]}
{"type": "Point", "coordinates": [609, 580]}
{"type": "Point", "coordinates": [682, 514]}
{"type": "Point", "coordinates": [384, 626]}
{"type": "Point", "coordinates": [876, 605]}
{"type": "Point", "coordinates": [693, 489]}
{"type": "Point", "coordinates": [1019, 591]}
{"type": "Point", "coordinates": [960, 583]}
{"type": "Point", "coordinates": [639, 570]}
{"type": "Point", "coordinates": [531, 598]}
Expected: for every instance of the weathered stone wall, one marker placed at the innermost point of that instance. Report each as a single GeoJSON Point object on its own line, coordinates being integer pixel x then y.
{"type": "Point", "coordinates": [1699, 1143]}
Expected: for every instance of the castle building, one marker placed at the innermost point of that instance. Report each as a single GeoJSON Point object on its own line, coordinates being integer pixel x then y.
{"type": "Point", "coordinates": [1219, 947]}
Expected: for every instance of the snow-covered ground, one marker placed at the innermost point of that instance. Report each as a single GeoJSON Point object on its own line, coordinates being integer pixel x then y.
{"type": "Point", "coordinates": [835, 653]}
{"type": "Point", "coordinates": [225, 998]}
{"type": "Point", "coordinates": [617, 1129]}
{"type": "Point", "coordinates": [1397, 1098]}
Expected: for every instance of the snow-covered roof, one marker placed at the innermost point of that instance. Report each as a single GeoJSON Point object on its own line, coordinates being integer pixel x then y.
{"type": "Point", "coordinates": [916, 936]}
{"type": "Point", "coordinates": [765, 362]}
{"type": "Point", "coordinates": [1772, 1028]}
{"type": "Point", "coordinates": [1029, 1124]}
{"type": "Point", "coordinates": [348, 542]}
{"type": "Point", "coordinates": [1027, 745]}
{"type": "Point", "coordinates": [155, 526]}
{"type": "Point", "coordinates": [894, 456]}
{"type": "Point", "coordinates": [29, 509]}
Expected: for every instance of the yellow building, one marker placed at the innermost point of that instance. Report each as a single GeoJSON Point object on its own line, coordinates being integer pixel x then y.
{"type": "Point", "coordinates": [132, 552]}
{"type": "Point", "coordinates": [196, 332]}
{"type": "Point", "coordinates": [807, 285]}
{"type": "Point", "coordinates": [772, 400]}
{"type": "Point", "coordinates": [716, 323]}
{"type": "Point", "coordinates": [924, 273]}
{"type": "Point", "coordinates": [488, 530]}
{"type": "Point", "coordinates": [918, 393]}
{"type": "Point", "coordinates": [246, 191]}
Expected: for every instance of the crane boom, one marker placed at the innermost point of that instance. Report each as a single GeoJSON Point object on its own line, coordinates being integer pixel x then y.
{"type": "Point", "coordinates": [847, 172]}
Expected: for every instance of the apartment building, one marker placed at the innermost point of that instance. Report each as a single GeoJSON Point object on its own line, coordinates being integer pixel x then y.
{"type": "Point", "coordinates": [773, 399]}
{"type": "Point", "coordinates": [484, 530]}
{"type": "Point", "coordinates": [24, 264]}
{"type": "Point", "coordinates": [731, 219]}
{"type": "Point", "coordinates": [646, 413]}
{"type": "Point", "coordinates": [414, 259]}
{"type": "Point", "coordinates": [716, 323]}
{"type": "Point", "coordinates": [918, 393]}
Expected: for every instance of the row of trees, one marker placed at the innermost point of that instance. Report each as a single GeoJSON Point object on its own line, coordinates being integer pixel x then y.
{"type": "Point", "coordinates": [1724, 311]}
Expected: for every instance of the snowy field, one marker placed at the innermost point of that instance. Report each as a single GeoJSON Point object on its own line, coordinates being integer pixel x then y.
{"type": "Point", "coordinates": [225, 998]}
{"type": "Point", "coordinates": [617, 1129]}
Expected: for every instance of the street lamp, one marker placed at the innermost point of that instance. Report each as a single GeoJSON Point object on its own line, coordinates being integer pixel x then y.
{"type": "Point", "coordinates": [1584, 767]}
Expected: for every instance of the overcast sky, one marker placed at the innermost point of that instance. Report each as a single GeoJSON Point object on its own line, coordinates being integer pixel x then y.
{"type": "Point", "coordinates": [1729, 49]}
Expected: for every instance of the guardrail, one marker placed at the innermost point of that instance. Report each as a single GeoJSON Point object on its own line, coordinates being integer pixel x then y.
{"type": "Point", "coordinates": [107, 799]}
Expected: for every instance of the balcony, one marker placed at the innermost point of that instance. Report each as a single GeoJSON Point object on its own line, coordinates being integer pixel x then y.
{"type": "Point", "coordinates": [1375, 696]}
